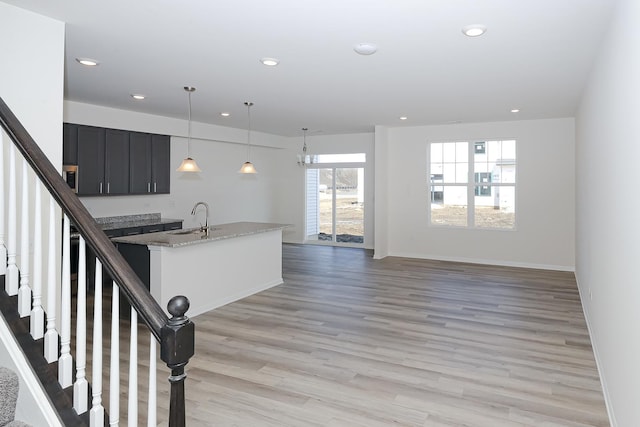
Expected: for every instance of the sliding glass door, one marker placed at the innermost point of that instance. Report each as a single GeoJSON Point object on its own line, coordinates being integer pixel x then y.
{"type": "Point", "coordinates": [335, 205]}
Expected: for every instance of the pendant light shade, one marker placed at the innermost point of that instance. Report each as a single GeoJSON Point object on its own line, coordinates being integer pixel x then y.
{"type": "Point", "coordinates": [188, 164]}
{"type": "Point", "coordinates": [247, 167]}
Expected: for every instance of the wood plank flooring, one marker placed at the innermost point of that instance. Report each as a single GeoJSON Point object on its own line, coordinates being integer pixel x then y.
{"type": "Point", "coordinates": [352, 341]}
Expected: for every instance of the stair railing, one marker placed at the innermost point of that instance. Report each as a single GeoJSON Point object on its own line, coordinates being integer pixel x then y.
{"type": "Point", "coordinates": [175, 335]}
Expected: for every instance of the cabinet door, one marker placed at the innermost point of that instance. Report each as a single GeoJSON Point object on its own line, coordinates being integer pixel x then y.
{"type": "Point", "coordinates": [160, 164]}
{"type": "Point", "coordinates": [69, 144]}
{"type": "Point", "coordinates": [116, 232]}
{"type": "Point", "coordinates": [140, 163]}
{"type": "Point", "coordinates": [90, 160]}
{"type": "Point", "coordinates": [131, 231]}
{"type": "Point", "coordinates": [152, 228]}
{"type": "Point", "coordinates": [116, 166]}
{"type": "Point", "coordinates": [173, 226]}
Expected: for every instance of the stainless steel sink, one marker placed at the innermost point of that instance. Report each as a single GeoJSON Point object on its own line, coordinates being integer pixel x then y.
{"type": "Point", "coordinates": [191, 231]}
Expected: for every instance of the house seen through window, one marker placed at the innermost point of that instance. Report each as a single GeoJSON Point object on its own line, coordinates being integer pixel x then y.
{"type": "Point", "coordinates": [473, 184]}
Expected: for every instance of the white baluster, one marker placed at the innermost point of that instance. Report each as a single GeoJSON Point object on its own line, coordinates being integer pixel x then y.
{"type": "Point", "coordinates": [3, 249]}
{"type": "Point", "coordinates": [81, 386]}
{"type": "Point", "coordinates": [114, 368]}
{"type": "Point", "coordinates": [152, 405]}
{"type": "Point", "coordinates": [51, 336]}
{"type": "Point", "coordinates": [24, 293]}
{"type": "Point", "coordinates": [132, 414]}
{"type": "Point", "coordinates": [36, 321]}
{"type": "Point", "coordinates": [65, 363]}
{"type": "Point", "coordinates": [96, 415]}
{"type": "Point", "coordinates": [11, 285]}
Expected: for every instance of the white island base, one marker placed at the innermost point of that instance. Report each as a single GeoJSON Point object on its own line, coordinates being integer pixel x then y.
{"type": "Point", "coordinates": [232, 262]}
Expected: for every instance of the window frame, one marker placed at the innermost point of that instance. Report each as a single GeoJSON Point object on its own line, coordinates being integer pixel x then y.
{"type": "Point", "coordinates": [471, 184]}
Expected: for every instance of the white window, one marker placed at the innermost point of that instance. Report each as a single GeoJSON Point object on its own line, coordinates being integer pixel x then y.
{"type": "Point", "coordinates": [473, 184]}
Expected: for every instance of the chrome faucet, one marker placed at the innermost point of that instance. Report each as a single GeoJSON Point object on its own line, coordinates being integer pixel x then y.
{"type": "Point", "coordinates": [204, 228]}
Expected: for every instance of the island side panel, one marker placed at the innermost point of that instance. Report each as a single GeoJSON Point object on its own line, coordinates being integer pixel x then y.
{"type": "Point", "coordinates": [217, 273]}
{"type": "Point", "coordinates": [138, 258]}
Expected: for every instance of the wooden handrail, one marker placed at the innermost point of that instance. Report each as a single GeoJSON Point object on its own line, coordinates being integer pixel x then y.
{"type": "Point", "coordinates": [135, 291]}
{"type": "Point", "coordinates": [176, 334]}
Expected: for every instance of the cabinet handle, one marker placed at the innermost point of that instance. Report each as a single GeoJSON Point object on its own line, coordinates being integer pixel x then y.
{"type": "Point", "coordinates": [108, 187]}
{"type": "Point", "coordinates": [100, 188]}
{"type": "Point", "coordinates": [155, 187]}
{"type": "Point", "coordinates": [148, 187]}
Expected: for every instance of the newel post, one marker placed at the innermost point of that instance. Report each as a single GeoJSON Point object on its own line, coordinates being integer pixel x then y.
{"type": "Point", "coordinates": [177, 345]}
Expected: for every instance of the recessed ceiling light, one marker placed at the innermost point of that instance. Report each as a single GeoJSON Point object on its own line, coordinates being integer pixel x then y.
{"type": "Point", "coordinates": [474, 30]}
{"type": "Point", "coordinates": [270, 62]}
{"type": "Point", "coordinates": [515, 110]}
{"type": "Point", "coordinates": [225, 114]}
{"type": "Point", "coordinates": [403, 117]}
{"type": "Point", "coordinates": [365, 48]}
{"type": "Point", "coordinates": [138, 96]}
{"type": "Point", "coordinates": [87, 62]}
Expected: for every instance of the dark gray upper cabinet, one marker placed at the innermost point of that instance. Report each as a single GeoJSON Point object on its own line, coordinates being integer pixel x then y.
{"type": "Point", "coordinates": [91, 141]}
{"type": "Point", "coordinates": [140, 166]}
{"type": "Point", "coordinates": [118, 162]}
{"type": "Point", "coordinates": [160, 163]}
{"type": "Point", "coordinates": [150, 168]}
{"type": "Point", "coordinates": [70, 144]}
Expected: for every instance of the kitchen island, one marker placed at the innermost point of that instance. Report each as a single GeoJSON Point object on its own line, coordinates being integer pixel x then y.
{"type": "Point", "coordinates": [227, 263]}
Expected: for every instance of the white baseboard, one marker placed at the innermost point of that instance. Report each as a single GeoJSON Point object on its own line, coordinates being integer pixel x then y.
{"type": "Point", "coordinates": [596, 355]}
{"type": "Point", "coordinates": [569, 268]}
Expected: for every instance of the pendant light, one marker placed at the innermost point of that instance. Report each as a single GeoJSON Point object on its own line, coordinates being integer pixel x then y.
{"type": "Point", "coordinates": [247, 167]}
{"type": "Point", "coordinates": [304, 158]}
{"type": "Point", "coordinates": [188, 164]}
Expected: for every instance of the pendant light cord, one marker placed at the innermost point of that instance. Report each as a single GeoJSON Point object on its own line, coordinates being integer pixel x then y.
{"type": "Point", "coordinates": [248, 104]}
{"type": "Point", "coordinates": [304, 145]}
{"type": "Point", "coordinates": [189, 129]}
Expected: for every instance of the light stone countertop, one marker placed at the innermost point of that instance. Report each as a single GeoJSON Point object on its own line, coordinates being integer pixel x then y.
{"type": "Point", "coordinates": [140, 222]}
{"type": "Point", "coordinates": [193, 236]}
{"type": "Point", "coordinates": [128, 221]}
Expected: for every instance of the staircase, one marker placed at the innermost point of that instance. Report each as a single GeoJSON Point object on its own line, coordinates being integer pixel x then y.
{"type": "Point", "coordinates": [70, 330]}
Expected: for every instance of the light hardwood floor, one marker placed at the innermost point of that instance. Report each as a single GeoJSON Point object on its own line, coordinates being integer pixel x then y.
{"type": "Point", "coordinates": [352, 341]}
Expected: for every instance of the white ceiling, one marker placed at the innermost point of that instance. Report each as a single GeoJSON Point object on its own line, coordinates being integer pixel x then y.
{"type": "Point", "coordinates": [536, 56]}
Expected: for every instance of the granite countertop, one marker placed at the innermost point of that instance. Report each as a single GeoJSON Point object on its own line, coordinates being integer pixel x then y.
{"type": "Point", "coordinates": [127, 221]}
{"type": "Point", "coordinates": [193, 236]}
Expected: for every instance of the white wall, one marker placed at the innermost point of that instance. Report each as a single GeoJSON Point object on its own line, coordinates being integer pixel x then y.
{"type": "Point", "coordinates": [607, 210]}
{"type": "Point", "coordinates": [544, 234]}
{"type": "Point", "coordinates": [31, 83]}
{"type": "Point", "coordinates": [31, 75]}
{"type": "Point", "coordinates": [381, 202]}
